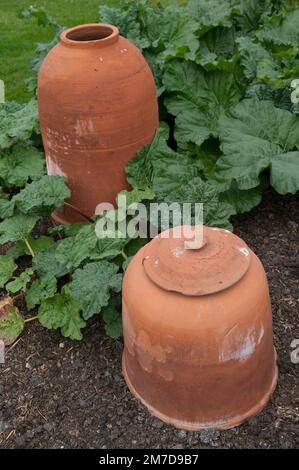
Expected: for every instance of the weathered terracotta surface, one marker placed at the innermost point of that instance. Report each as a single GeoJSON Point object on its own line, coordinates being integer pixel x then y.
{"type": "Point", "coordinates": [98, 107]}
{"type": "Point", "coordinates": [199, 358]}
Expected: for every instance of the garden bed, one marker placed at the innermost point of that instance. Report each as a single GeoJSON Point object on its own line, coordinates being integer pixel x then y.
{"type": "Point", "coordinates": [56, 393]}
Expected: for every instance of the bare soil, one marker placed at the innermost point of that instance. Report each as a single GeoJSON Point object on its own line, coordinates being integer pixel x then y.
{"type": "Point", "coordinates": [58, 393]}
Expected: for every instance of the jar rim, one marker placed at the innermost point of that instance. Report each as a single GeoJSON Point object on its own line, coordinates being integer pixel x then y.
{"type": "Point", "coordinates": [92, 34]}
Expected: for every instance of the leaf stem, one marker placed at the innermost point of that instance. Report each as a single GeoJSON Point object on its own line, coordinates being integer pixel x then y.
{"type": "Point", "coordinates": [18, 295]}
{"type": "Point", "coordinates": [29, 247]}
{"type": "Point", "coordinates": [30, 319]}
{"type": "Point", "coordinates": [125, 257]}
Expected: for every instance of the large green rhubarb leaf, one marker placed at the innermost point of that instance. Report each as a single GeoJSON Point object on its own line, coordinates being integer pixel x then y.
{"type": "Point", "coordinates": [197, 100]}
{"type": "Point", "coordinates": [16, 228]}
{"type": "Point", "coordinates": [62, 311]}
{"type": "Point", "coordinates": [210, 13]}
{"type": "Point", "coordinates": [43, 196]}
{"type": "Point", "coordinates": [21, 163]}
{"type": "Point", "coordinates": [258, 136]}
{"type": "Point", "coordinates": [217, 51]}
{"type": "Point", "coordinates": [92, 286]}
{"type": "Point", "coordinates": [281, 30]}
{"type": "Point", "coordinates": [17, 122]}
{"type": "Point", "coordinates": [258, 63]}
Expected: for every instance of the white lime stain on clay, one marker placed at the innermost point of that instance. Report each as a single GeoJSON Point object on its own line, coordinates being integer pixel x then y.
{"type": "Point", "coordinates": [239, 347]}
{"type": "Point", "coordinates": [83, 127]}
{"type": "Point", "coordinates": [262, 331]}
{"type": "Point", "coordinates": [244, 251]}
{"type": "Point", "coordinates": [166, 374]}
{"type": "Point", "coordinates": [178, 251]}
{"type": "Point", "coordinates": [53, 168]}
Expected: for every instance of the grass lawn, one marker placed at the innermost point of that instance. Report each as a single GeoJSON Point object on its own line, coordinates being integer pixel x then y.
{"type": "Point", "coordinates": [19, 36]}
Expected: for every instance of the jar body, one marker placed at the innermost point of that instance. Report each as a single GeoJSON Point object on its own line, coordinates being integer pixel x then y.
{"type": "Point", "coordinates": [199, 362]}
{"type": "Point", "coordinates": [98, 107]}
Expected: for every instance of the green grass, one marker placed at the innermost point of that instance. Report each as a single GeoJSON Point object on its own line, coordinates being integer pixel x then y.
{"type": "Point", "coordinates": [19, 36]}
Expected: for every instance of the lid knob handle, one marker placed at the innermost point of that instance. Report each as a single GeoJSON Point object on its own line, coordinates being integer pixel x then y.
{"type": "Point", "coordinates": [198, 241]}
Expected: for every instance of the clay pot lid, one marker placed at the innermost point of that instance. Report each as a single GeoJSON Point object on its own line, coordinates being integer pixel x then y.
{"type": "Point", "coordinates": [219, 263]}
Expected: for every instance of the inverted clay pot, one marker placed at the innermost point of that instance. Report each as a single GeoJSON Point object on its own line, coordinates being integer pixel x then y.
{"type": "Point", "coordinates": [98, 107]}
{"type": "Point", "coordinates": [198, 331]}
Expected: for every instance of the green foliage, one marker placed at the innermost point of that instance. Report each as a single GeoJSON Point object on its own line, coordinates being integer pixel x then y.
{"type": "Point", "coordinates": [43, 196]}
{"type": "Point", "coordinates": [40, 290]}
{"type": "Point", "coordinates": [7, 268]}
{"type": "Point", "coordinates": [91, 286]}
{"type": "Point", "coordinates": [19, 164]}
{"type": "Point", "coordinates": [17, 122]}
{"type": "Point", "coordinates": [17, 227]}
{"type": "Point", "coordinates": [197, 100]}
{"type": "Point", "coordinates": [112, 318]}
{"type": "Point", "coordinates": [258, 136]}
{"type": "Point", "coordinates": [20, 282]}
{"type": "Point", "coordinates": [63, 312]}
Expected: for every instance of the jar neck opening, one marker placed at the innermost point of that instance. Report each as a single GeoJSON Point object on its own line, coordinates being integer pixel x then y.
{"type": "Point", "coordinates": [90, 34]}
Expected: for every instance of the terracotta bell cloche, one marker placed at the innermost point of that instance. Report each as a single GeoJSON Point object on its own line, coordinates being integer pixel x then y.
{"type": "Point", "coordinates": [198, 330]}
{"type": "Point", "coordinates": [98, 106]}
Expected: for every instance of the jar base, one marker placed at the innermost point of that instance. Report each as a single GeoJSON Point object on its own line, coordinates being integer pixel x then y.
{"type": "Point", "coordinates": [190, 426]}
{"type": "Point", "coordinates": [65, 216]}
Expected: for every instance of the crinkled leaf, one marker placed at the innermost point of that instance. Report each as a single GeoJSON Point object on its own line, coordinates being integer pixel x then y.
{"type": "Point", "coordinates": [62, 311]}
{"type": "Point", "coordinates": [171, 32]}
{"type": "Point", "coordinates": [250, 13]}
{"type": "Point", "coordinates": [16, 228]}
{"type": "Point", "coordinates": [205, 156]}
{"type": "Point", "coordinates": [210, 13]}
{"type": "Point", "coordinates": [281, 97]}
{"type": "Point", "coordinates": [21, 163]}
{"type": "Point", "coordinates": [217, 50]}
{"type": "Point", "coordinates": [258, 136]}
{"type": "Point", "coordinates": [242, 200]}
{"type": "Point", "coordinates": [92, 285]}
{"type": "Point", "coordinates": [140, 168]}
{"type": "Point", "coordinates": [126, 19]}
{"type": "Point", "coordinates": [258, 63]}
{"type": "Point", "coordinates": [176, 177]}
{"type": "Point", "coordinates": [108, 248]}
{"type": "Point", "coordinates": [46, 264]}
{"type": "Point", "coordinates": [18, 121]}
{"type": "Point", "coordinates": [7, 207]}
{"type": "Point", "coordinates": [281, 29]}
{"type": "Point", "coordinates": [40, 290]}
{"type": "Point", "coordinates": [135, 196]}
{"type": "Point", "coordinates": [43, 196]}
{"type": "Point", "coordinates": [71, 251]}
{"type": "Point", "coordinates": [216, 212]}
{"type": "Point", "coordinates": [157, 69]}
{"type": "Point", "coordinates": [112, 318]}
{"type": "Point", "coordinates": [20, 282]}
{"type": "Point", "coordinates": [197, 100]}
{"type": "Point", "coordinates": [7, 268]}
{"type": "Point", "coordinates": [11, 322]}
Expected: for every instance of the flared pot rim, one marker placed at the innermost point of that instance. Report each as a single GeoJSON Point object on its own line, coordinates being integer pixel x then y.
{"type": "Point", "coordinates": [90, 35]}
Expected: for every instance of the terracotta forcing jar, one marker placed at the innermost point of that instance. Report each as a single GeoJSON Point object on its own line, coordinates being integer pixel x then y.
{"type": "Point", "coordinates": [198, 331]}
{"type": "Point", "coordinates": [98, 107]}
